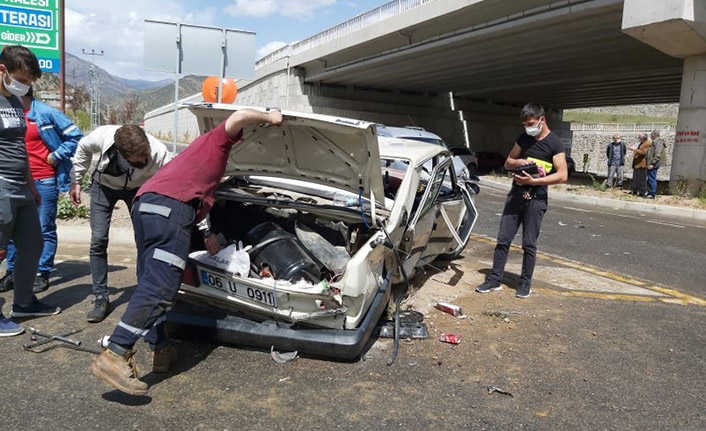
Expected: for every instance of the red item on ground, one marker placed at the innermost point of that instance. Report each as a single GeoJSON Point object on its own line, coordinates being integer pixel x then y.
{"type": "Point", "coordinates": [37, 152]}
{"type": "Point", "coordinates": [450, 338]}
{"type": "Point", "coordinates": [452, 309]}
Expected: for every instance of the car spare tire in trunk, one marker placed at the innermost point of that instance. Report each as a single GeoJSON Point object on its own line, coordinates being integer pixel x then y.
{"type": "Point", "coordinates": [282, 252]}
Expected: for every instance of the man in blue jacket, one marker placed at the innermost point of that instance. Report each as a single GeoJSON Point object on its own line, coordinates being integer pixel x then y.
{"type": "Point", "coordinates": [51, 140]}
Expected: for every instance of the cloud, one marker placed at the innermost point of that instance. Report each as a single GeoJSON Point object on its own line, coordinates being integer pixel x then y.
{"type": "Point", "coordinates": [270, 47]}
{"type": "Point", "coordinates": [119, 31]}
{"type": "Point", "coordinates": [299, 9]}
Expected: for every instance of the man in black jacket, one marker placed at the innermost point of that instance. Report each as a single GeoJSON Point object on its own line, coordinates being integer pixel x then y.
{"type": "Point", "coordinates": [615, 152]}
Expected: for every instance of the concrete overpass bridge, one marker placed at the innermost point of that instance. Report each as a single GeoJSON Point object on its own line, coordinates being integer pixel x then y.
{"type": "Point", "coordinates": [462, 68]}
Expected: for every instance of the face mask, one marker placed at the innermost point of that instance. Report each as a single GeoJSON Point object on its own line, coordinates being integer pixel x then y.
{"type": "Point", "coordinates": [122, 163]}
{"type": "Point", "coordinates": [534, 130]}
{"type": "Point", "coordinates": [15, 87]}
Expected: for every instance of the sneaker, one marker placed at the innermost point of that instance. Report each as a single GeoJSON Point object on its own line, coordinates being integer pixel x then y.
{"type": "Point", "coordinates": [8, 328]}
{"type": "Point", "coordinates": [119, 371]}
{"type": "Point", "coordinates": [35, 308]}
{"type": "Point", "coordinates": [7, 282]}
{"type": "Point", "coordinates": [163, 358]}
{"type": "Point", "coordinates": [488, 286]}
{"type": "Point", "coordinates": [41, 282]}
{"type": "Point", "coordinates": [523, 292]}
{"type": "Point", "coordinates": [101, 308]}
{"type": "Point", "coordinates": [649, 196]}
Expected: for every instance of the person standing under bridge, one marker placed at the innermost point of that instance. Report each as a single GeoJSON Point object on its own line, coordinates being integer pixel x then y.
{"type": "Point", "coordinates": [638, 185]}
{"type": "Point", "coordinates": [615, 153]}
{"type": "Point", "coordinates": [526, 202]}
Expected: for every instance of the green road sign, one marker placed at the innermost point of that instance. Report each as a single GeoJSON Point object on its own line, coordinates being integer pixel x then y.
{"type": "Point", "coordinates": [34, 24]}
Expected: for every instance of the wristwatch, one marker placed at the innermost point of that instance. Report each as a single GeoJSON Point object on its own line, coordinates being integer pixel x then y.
{"type": "Point", "coordinates": [207, 233]}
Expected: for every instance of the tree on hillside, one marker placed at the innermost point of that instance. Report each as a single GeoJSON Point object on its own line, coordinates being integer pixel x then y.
{"type": "Point", "coordinates": [78, 98]}
{"type": "Point", "coordinates": [128, 110]}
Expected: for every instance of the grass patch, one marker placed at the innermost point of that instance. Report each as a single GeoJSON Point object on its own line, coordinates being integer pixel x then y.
{"type": "Point", "coordinates": [67, 210]}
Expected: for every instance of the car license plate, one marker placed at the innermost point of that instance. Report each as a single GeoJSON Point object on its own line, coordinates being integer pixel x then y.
{"type": "Point", "coordinates": [264, 296]}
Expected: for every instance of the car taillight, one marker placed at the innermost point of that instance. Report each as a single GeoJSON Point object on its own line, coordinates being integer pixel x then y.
{"type": "Point", "coordinates": [190, 277]}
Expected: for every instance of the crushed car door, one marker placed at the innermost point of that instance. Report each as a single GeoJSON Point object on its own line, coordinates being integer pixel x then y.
{"type": "Point", "coordinates": [424, 216]}
{"type": "Point", "coordinates": [455, 218]}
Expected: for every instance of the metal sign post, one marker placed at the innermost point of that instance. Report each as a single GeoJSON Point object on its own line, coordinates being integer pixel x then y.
{"type": "Point", "coordinates": [199, 51]}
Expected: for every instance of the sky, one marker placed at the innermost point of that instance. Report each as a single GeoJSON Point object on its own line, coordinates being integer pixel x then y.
{"type": "Point", "coordinates": [116, 27]}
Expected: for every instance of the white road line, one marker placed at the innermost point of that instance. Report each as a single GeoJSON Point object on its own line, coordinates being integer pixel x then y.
{"type": "Point", "coordinates": [665, 224]}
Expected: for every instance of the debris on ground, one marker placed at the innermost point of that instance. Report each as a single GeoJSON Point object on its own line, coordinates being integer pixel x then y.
{"type": "Point", "coordinates": [407, 330]}
{"type": "Point", "coordinates": [450, 338]}
{"type": "Point", "coordinates": [451, 309]}
{"type": "Point", "coordinates": [492, 389]}
{"type": "Point", "coordinates": [501, 315]}
{"type": "Point", "coordinates": [562, 224]}
{"type": "Point", "coordinates": [283, 358]}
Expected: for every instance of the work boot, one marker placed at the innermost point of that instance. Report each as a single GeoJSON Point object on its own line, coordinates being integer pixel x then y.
{"type": "Point", "coordinates": [162, 358]}
{"type": "Point", "coordinates": [101, 308]}
{"type": "Point", "coordinates": [7, 282]}
{"type": "Point", "coordinates": [119, 371]}
{"type": "Point", "coordinates": [41, 282]}
{"type": "Point", "coordinates": [489, 286]}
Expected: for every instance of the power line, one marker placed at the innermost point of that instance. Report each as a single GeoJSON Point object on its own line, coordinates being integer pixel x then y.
{"type": "Point", "coordinates": [95, 89]}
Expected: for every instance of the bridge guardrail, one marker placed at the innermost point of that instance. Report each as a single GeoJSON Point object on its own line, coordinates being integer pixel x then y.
{"type": "Point", "coordinates": [363, 20]}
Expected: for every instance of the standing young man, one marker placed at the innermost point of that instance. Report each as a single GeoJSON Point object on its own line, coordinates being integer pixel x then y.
{"type": "Point", "coordinates": [51, 142]}
{"type": "Point", "coordinates": [127, 158]}
{"type": "Point", "coordinates": [19, 198]}
{"type": "Point", "coordinates": [526, 202]}
{"type": "Point", "coordinates": [166, 209]}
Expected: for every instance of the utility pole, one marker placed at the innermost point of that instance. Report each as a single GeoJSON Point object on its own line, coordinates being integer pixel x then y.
{"type": "Point", "coordinates": [95, 89]}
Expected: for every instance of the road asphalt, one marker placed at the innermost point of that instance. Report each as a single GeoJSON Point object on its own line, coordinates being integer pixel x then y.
{"type": "Point", "coordinates": [596, 347]}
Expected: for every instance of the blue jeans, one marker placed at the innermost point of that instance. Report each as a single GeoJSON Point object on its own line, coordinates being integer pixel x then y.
{"type": "Point", "coordinates": [49, 191]}
{"type": "Point", "coordinates": [652, 181]}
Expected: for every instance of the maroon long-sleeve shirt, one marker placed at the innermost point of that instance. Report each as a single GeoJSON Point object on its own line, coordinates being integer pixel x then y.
{"type": "Point", "coordinates": [196, 172]}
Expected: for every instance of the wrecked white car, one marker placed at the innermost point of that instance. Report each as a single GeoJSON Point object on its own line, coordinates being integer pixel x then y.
{"type": "Point", "coordinates": [314, 212]}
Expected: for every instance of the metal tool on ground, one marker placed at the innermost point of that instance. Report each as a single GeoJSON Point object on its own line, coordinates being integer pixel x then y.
{"type": "Point", "coordinates": [63, 339]}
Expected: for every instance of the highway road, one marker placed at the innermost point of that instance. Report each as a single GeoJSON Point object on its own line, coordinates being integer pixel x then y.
{"type": "Point", "coordinates": [668, 252]}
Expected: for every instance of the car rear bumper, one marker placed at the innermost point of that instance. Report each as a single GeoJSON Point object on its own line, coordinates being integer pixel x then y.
{"type": "Point", "coordinates": [201, 322]}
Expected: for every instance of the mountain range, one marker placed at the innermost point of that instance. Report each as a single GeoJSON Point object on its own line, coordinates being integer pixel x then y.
{"type": "Point", "coordinates": [115, 91]}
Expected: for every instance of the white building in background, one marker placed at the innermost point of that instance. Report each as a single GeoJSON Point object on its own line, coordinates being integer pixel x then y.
{"type": "Point", "coordinates": [160, 122]}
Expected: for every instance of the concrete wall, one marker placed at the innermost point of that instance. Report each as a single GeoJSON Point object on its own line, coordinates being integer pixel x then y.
{"type": "Point", "coordinates": [160, 122]}
{"type": "Point", "coordinates": [286, 89]}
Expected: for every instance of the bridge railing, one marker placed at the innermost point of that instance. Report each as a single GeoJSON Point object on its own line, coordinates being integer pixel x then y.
{"type": "Point", "coordinates": [361, 21]}
{"type": "Point", "coordinates": [622, 127]}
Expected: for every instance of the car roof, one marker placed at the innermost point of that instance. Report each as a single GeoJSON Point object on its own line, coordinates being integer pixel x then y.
{"type": "Point", "coordinates": [405, 132]}
{"type": "Point", "coordinates": [399, 148]}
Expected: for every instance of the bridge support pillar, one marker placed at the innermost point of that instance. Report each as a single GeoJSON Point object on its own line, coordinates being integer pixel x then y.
{"type": "Point", "coordinates": [678, 28]}
{"type": "Point", "coordinates": [689, 157]}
